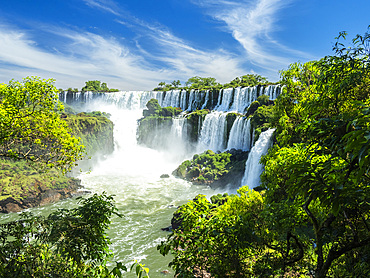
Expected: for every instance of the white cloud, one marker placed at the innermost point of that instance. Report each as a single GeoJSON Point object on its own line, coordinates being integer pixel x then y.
{"type": "Point", "coordinates": [188, 61]}
{"type": "Point", "coordinates": [90, 57]}
{"type": "Point", "coordinates": [80, 56]}
{"type": "Point", "coordinates": [105, 5]}
{"type": "Point", "coordinates": [252, 24]}
{"type": "Point", "coordinates": [83, 56]}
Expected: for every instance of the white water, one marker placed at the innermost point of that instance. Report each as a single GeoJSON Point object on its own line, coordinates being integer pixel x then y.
{"type": "Point", "coordinates": [240, 135]}
{"type": "Point", "coordinates": [229, 99]}
{"type": "Point", "coordinates": [213, 132]}
{"type": "Point", "coordinates": [146, 201]}
{"type": "Point", "coordinates": [253, 168]}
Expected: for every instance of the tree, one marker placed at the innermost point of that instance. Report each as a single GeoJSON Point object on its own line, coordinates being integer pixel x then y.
{"type": "Point", "coordinates": [215, 237]}
{"type": "Point", "coordinates": [176, 83]}
{"type": "Point", "coordinates": [321, 165]}
{"type": "Point", "coordinates": [93, 86]}
{"type": "Point", "coordinates": [30, 127]}
{"type": "Point", "coordinates": [312, 217]}
{"type": "Point", "coordinates": [248, 80]}
{"type": "Point", "coordinates": [197, 82]}
{"type": "Point", "coordinates": [67, 243]}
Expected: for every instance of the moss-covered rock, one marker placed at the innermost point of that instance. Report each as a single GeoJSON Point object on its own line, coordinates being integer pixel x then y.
{"type": "Point", "coordinates": [215, 169]}
{"type": "Point", "coordinates": [261, 120]}
{"type": "Point", "coordinates": [23, 187]}
{"type": "Point", "coordinates": [150, 131]}
{"type": "Point", "coordinates": [252, 108]}
{"type": "Point", "coordinates": [95, 131]}
{"type": "Point", "coordinates": [195, 120]}
{"type": "Point", "coordinates": [156, 121]}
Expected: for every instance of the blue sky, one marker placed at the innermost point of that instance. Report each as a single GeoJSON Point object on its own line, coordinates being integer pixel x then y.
{"type": "Point", "coordinates": [134, 45]}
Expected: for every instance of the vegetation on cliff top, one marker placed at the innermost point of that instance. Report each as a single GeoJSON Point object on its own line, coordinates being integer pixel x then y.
{"type": "Point", "coordinates": [96, 87]}
{"type": "Point", "coordinates": [94, 129]}
{"type": "Point", "coordinates": [207, 83]}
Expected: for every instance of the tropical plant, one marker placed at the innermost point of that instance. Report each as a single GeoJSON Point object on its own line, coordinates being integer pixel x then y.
{"type": "Point", "coordinates": [312, 217]}
{"type": "Point", "coordinates": [30, 127]}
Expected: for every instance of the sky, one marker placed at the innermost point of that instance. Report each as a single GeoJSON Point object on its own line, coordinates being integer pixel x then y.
{"type": "Point", "coordinates": [134, 45]}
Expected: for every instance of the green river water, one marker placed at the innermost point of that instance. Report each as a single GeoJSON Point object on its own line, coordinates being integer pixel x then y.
{"type": "Point", "coordinates": [132, 174]}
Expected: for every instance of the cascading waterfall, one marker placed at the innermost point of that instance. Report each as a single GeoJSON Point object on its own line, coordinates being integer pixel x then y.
{"type": "Point", "coordinates": [225, 99]}
{"type": "Point", "coordinates": [243, 97]}
{"type": "Point", "coordinates": [213, 132]}
{"type": "Point", "coordinates": [253, 168]}
{"type": "Point", "coordinates": [240, 135]}
{"type": "Point", "coordinates": [230, 99]}
{"type": "Point", "coordinates": [177, 141]}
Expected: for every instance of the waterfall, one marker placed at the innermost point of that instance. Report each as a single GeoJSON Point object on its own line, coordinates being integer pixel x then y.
{"type": "Point", "coordinates": [213, 132]}
{"type": "Point", "coordinates": [229, 99]}
{"type": "Point", "coordinates": [253, 167]}
{"type": "Point", "coordinates": [240, 135]}
{"type": "Point", "coordinates": [225, 99]}
{"type": "Point", "coordinates": [243, 97]}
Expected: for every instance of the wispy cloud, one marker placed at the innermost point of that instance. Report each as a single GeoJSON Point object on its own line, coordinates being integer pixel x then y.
{"type": "Point", "coordinates": [83, 56]}
{"type": "Point", "coordinates": [105, 5]}
{"type": "Point", "coordinates": [182, 57]}
{"type": "Point", "coordinates": [155, 54]}
{"type": "Point", "coordinates": [252, 24]}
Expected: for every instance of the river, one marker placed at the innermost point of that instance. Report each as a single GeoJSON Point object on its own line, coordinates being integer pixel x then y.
{"type": "Point", "coordinates": [147, 202]}
{"type": "Point", "coordinates": [132, 172]}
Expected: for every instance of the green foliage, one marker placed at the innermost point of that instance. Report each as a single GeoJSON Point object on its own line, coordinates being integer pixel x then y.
{"type": "Point", "coordinates": [153, 106]}
{"type": "Point", "coordinates": [216, 238]}
{"type": "Point", "coordinates": [201, 83]}
{"type": "Point", "coordinates": [312, 217]}
{"type": "Point", "coordinates": [95, 86]}
{"type": "Point", "coordinates": [206, 167]}
{"type": "Point", "coordinates": [30, 127]}
{"type": "Point", "coordinates": [263, 99]}
{"type": "Point", "coordinates": [67, 243]}
{"type": "Point", "coordinates": [248, 80]}
{"type": "Point", "coordinates": [94, 129]}
{"type": "Point", "coordinates": [155, 110]}
{"type": "Point", "coordinates": [207, 83]}
{"type": "Point", "coordinates": [162, 86]}
{"type": "Point", "coordinates": [70, 90]}
{"type": "Point", "coordinates": [322, 164]}
{"type": "Point", "coordinates": [262, 116]}
{"type": "Point", "coordinates": [21, 181]}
